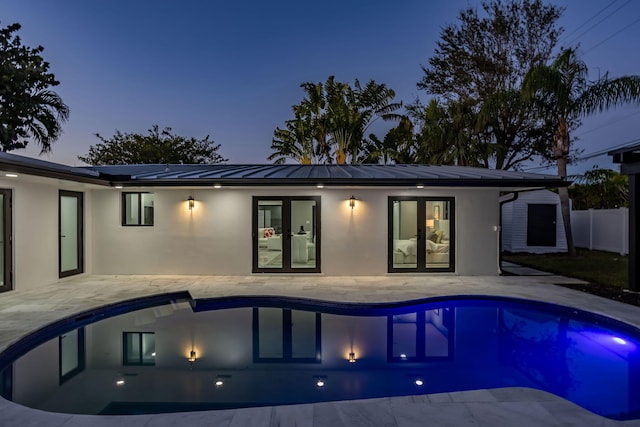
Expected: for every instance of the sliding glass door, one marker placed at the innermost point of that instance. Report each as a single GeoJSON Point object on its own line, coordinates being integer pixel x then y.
{"type": "Point", "coordinates": [5, 240]}
{"type": "Point", "coordinates": [421, 234]}
{"type": "Point", "coordinates": [286, 234]}
{"type": "Point", "coordinates": [71, 239]}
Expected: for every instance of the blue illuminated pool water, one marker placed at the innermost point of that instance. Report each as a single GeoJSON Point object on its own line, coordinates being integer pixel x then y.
{"type": "Point", "coordinates": [273, 351]}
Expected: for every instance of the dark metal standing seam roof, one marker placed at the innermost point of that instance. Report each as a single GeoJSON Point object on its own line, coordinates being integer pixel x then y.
{"type": "Point", "coordinates": [292, 175]}
{"type": "Point", "coordinates": [281, 175]}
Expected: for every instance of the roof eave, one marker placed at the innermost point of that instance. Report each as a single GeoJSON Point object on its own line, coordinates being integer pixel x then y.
{"type": "Point", "coordinates": [267, 182]}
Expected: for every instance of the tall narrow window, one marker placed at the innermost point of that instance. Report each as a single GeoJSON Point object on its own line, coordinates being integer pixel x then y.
{"type": "Point", "coordinates": [137, 209]}
{"type": "Point", "coordinates": [71, 233]}
{"type": "Point", "coordinates": [138, 348]}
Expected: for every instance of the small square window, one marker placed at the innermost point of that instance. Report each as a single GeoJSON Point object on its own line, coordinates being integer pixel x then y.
{"type": "Point", "coordinates": [138, 348]}
{"type": "Point", "coordinates": [137, 209]}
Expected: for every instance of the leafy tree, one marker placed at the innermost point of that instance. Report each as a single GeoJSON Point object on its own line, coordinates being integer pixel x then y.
{"type": "Point", "coordinates": [333, 119]}
{"type": "Point", "coordinates": [480, 64]}
{"type": "Point", "coordinates": [567, 95]}
{"type": "Point", "coordinates": [600, 189]}
{"type": "Point", "coordinates": [29, 109]}
{"type": "Point", "coordinates": [158, 147]}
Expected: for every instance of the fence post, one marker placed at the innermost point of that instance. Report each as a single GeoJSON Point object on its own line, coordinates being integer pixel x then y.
{"type": "Point", "coordinates": [625, 230]}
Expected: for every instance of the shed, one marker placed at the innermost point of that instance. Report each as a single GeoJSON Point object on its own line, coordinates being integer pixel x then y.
{"type": "Point", "coordinates": [532, 222]}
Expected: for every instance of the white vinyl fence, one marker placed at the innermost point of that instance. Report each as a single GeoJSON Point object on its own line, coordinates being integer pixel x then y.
{"type": "Point", "coordinates": [601, 229]}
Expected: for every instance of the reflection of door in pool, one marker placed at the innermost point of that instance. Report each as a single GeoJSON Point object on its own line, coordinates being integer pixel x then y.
{"type": "Point", "coordinates": [5, 240]}
{"type": "Point", "coordinates": [71, 239]}
{"type": "Point", "coordinates": [286, 234]}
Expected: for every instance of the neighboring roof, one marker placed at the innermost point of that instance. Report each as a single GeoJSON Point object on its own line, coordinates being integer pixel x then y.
{"type": "Point", "coordinates": [280, 175]}
{"type": "Point", "coordinates": [629, 154]}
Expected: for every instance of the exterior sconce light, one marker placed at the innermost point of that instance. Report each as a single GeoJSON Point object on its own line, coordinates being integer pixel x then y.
{"type": "Point", "coordinates": [352, 357]}
{"type": "Point", "coordinates": [191, 202]}
{"type": "Point", "coordinates": [192, 357]}
{"type": "Point", "coordinates": [352, 202]}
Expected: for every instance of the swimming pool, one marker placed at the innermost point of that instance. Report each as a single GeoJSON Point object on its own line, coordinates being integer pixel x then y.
{"type": "Point", "coordinates": [172, 353]}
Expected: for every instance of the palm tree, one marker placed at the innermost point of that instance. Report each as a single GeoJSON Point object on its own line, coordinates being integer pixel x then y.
{"type": "Point", "coordinates": [294, 142]}
{"type": "Point", "coordinates": [447, 134]}
{"type": "Point", "coordinates": [336, 118]}
{"type": "Point", "coordinates": [396, 147]}
{"type": "Point", "coordinates": [40, 117]}
{"type": "Point", "coordinates": [566, 95]}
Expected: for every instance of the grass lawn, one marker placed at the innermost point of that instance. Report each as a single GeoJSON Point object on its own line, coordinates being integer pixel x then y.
{"type": "Point", "coordinates": [602, 268]}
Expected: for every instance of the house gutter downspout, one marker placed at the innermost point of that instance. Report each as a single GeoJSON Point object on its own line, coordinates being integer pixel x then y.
{"type": "Point", "coordinates": [514, 197]}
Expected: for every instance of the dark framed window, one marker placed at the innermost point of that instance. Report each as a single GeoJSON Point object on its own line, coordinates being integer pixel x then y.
{"type": "Point", "coordinates": [286, 336]}
{"type": "Point", "coordinates": [420, 336]}
{"type": "Point", "coordinates": [139, 348]}
{"type": "Point", "coordinates": [286, 234]}
{"type": "Point", "coordinates": [71, 354]}
{"type": "Point", "coordinates": [6, 228]}
{"type": "Point", "coordinates": [421, 234]}
{"type": "Point", "coordinates": [137, 209]}
{"type": "Point", "coordinates": [71, 233]}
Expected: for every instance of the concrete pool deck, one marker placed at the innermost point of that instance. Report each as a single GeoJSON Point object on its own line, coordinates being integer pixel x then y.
{"type": "Point", "coordinates": [24, 311]}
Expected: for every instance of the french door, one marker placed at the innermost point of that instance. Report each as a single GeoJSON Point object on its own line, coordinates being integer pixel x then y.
{"type": "Point", "coordinates": [286, 234]}
{"type": "Point", "coordinates": [5, 240]}
{"type": "Point", "coordinates": [421, 234]}
{"type": "Point", "coordinates": [71, 233]}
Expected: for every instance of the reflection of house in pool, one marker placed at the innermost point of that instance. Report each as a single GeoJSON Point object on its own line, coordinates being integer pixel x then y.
{"type": "Point", "coordinates": [173, 357]}
{"type": "Point", "coordinates": [236, 219]}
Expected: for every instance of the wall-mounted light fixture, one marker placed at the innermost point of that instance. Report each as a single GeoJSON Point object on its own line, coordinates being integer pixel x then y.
{"type": "Point", "coordinates": [352, 357]}
{"type": "Point", "coordinates": [352, 202]}
{"type": "Point", "coordinates": [217, 186]}
{"type": "Point", "coordinates": [420, 186]}
{"type": "Point", "coordinates": [11, 175]}
{"type": "Point", "coordinates": [192, 357]}
{"type": "Point", "coordinates": [191, 202]}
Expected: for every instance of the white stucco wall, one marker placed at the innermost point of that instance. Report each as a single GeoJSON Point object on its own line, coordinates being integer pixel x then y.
{"type": "Point", "coordinates": [35, 228]}
{"type": "Point", "coordinates": [215, 238]}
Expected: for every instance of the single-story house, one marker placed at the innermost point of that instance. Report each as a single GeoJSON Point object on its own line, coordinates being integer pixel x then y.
{"type": "Point", "coordinates": [532, 222]}
{"type": "Point", "coordinates": [226, 219]}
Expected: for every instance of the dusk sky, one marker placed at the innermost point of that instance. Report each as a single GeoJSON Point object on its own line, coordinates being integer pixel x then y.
{"type": "Point", "coordinates": [232, 70]}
